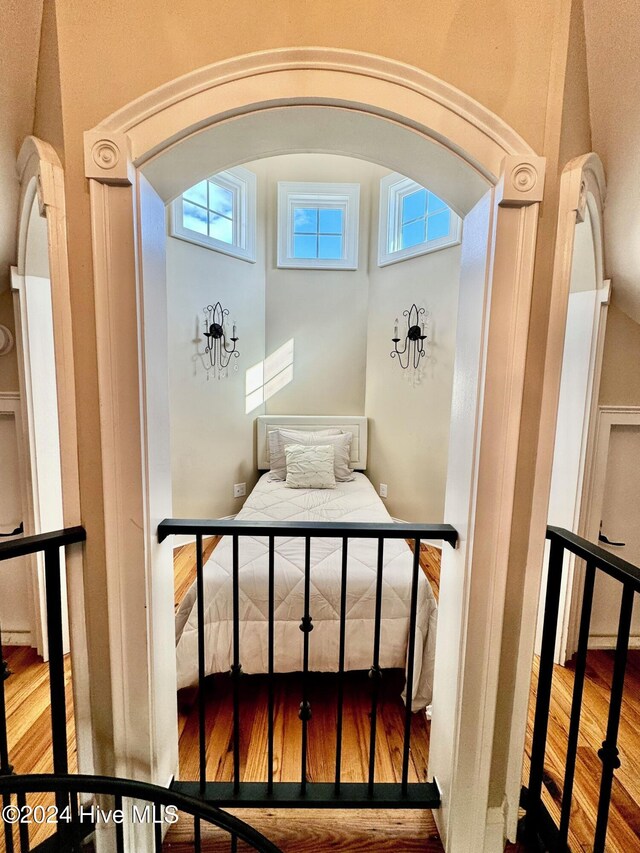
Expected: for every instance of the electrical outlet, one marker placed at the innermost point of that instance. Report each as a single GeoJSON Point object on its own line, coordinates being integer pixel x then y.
{"type": "Point", "coordinates": [239, 490]}
{"type": "Point", "coordinates": [383, 490]}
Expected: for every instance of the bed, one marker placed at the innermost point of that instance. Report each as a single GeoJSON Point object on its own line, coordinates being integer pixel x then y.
{"type": "Point", "coordinates": [274, 501]}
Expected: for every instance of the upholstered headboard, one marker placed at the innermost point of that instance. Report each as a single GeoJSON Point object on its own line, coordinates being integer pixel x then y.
{"type": "Point", "coordinates": [355, 424]}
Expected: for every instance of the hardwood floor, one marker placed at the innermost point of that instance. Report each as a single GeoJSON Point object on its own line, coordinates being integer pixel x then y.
{"type": "Point", "coordinates": [29, 726]}
{"type": "Point", "coordinates": [624, 816]}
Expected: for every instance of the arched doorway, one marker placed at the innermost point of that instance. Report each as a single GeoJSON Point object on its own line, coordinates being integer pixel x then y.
{"type": "Point", "coordinates": [41, 286]}
{"type": "Point", "coordinates": [364, 106]}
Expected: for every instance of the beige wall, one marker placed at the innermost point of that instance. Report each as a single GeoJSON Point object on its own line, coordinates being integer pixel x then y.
{"type": "Point", "coordinates": [19, 41]}
{"type": "Point", "coordinates": [620, 380]}
{"type": "Point", "coordinates": [613, 53]}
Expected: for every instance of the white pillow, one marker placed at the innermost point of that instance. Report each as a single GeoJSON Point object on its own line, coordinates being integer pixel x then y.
{"type": "Point", "coordinates": [342, 453]}
{"type": "Point", "coordinates": [310, 466]}
{"type": "Point", "coordinates": [277, 462]}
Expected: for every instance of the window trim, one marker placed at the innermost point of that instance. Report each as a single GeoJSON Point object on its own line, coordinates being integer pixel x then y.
{"type": "Point", "coordinates": [345, 197]}
{"type": "Point", "coordinates": [393, 188]}
{"type": "Point", "coordinates": [242, 183]}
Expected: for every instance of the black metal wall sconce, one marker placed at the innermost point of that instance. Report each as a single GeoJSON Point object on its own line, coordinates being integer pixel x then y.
{"type": "Point", "coordinates": [221, 347]}
{"type": "Point", "coordinates": [413, 341]}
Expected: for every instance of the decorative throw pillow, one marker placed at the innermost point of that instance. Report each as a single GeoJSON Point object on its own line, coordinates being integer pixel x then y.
{"type": "Point", "coordinates": [310, 466]}
{"type": "Point", "coordinates": [342, 452]}
{"type": "Point", "coordinates": [277, 462]}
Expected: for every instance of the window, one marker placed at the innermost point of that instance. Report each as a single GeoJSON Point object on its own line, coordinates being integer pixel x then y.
{"type": "Point", "coordinates": [413, 221]}
{"type": "Point", "coordinates": [318, 225]}
{"type": "Point", "coordinates": [219, 213]}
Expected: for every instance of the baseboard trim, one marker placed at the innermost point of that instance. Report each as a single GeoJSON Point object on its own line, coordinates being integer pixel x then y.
{"type": "Point", "coordinates": [18, 638]}
{"type": "Point", "coordinates": [608, 641]}
{"type": "Point", "coordinates": [495, 834]}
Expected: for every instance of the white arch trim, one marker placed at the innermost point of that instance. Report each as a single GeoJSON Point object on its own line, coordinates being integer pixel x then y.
{"type": "Point", "coordinates": [128, 238]}
{"type": "Point", "coordinates": [42, 183]}
{"type": "Point", "coordinates": [271, 79]}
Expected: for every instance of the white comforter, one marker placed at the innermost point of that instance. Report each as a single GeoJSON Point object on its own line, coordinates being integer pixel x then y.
{"type": "Point", "coordinates": [273, 501]}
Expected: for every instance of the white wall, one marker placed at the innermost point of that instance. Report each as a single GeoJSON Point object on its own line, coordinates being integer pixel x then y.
{"type": "Point", "coordinates": [212, 439]}
{"type": "Point", "coordinates": [325, 311]}
{"type": "Point", "coordinates": [409, 426]}
{"type": "Point", "coordinates": [341, 323]}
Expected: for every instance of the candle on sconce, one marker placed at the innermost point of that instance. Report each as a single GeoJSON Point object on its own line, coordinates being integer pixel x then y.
{"type": "Point", "coordinates": [395, 329]}
{"type": "Point", "coordinates": [423, 329]}
{"type": "Point", "coordinates": [234, 328]}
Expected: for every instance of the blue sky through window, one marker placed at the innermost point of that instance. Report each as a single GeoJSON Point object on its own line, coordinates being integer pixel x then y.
{"type": "Point", "coordinates": [318, 232]}
{"type": "Point", "coordinates": [208, 208]}
{"type": "Point", "coordinates": [424, 217]}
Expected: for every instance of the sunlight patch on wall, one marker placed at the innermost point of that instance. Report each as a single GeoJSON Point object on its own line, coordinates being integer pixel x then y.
{"type": "Point", "coordinates": [267, 377]}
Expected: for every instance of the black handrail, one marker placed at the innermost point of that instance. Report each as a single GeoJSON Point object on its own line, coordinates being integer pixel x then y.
{"type": "Point", "coordinates": [320, 529]}
{"type": "Point", "coordinates": [538, 822]}
{"type": "Point", "coordinates": [32, 544]}
{"type": "Point", "coordinates": [76, 784]}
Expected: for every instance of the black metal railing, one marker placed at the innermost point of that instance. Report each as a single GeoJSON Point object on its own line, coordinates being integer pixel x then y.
{"type": "Point", "coordinates": [49, 544]}
{"type": "Point", "coordinates": [307, 793]}
{"type": "Point", "coordinates": [73, 817]}
{"type": "Point", "coordinates": [538, 822]}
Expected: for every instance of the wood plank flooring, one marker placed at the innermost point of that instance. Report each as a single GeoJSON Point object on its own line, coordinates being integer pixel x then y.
{"type": "Point", "coordinates": [29, 726]}
{"type": "Point", "coordinates": [624, 816]}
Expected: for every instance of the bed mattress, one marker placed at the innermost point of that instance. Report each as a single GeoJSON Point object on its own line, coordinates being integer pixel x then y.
{"type": "Point", "coordinates": [273, 501]}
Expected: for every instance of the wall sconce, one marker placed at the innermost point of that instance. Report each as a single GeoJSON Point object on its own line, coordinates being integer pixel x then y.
{"type": "Point", "coordinates": [414, 338]}
{"type": "Point", "coordinates": [218, 353]}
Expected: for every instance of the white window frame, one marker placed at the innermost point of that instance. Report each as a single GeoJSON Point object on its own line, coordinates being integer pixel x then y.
{"type": "Point", "coordinates": [242, 184]}
{"type": "Point", "coordinates": [393, 189]}
{"type": "Point", "coordinates": [345, 197]}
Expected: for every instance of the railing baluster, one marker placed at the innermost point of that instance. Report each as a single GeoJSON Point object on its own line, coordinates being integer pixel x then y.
{"type": "Point", "coordinates": [119, 826]}
{"type": "Point", "coordinates": [545, 677]}
{"type": "Point", "coordinates": [23, 826]}
{"type": "Point", "coordinates": [413, 618]}
{"type": "Point", "coordinates": [236, 669]}
{"type": "Point", "coordinates": [271, 608]}
{"type": "Point", "coordinates": [157, 831]}
{"type": "Point", "coordinates": [609, 752]}
{"type": "Point", "coordinates": [375, 673]}
{"type": "Point", "coordinates": [202, 737]}
{"type": "Point", "coordinates": [5, 767]}
{"type": "Point", "coordinates": [306, 627]}
{"type": "Point", "coordinates": [201, 666]}
{"type": "Point", "coordinates": [8, 827]}
{"type": "Point", "coordinates": [576, 702]}
{"type": "Point", "coordinates": [56, 665]}
{"type": "Point", "coordinates": [343, 622]}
